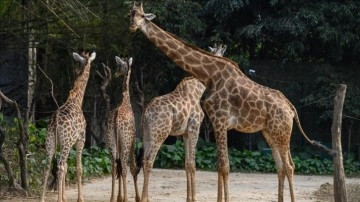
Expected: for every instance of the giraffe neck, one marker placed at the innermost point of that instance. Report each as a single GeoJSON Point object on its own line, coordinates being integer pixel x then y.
{"type": "Point", "coordinates": [126, 83]}
{"type": "Point", "coordinates": [77, 92]}
{"type": "Point", "coordinates": [193, 60]}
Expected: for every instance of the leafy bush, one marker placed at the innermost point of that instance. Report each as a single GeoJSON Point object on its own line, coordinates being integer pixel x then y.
{"type": "Point", "coordinates": [172, 156]}
{"type": "Point", "coordinates": [95, 161]}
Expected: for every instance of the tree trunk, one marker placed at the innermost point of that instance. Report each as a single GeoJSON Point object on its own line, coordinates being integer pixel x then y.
{"type": "Point", "coordinates": [3, 159]}
{"type": "Point", "coordinates": [22, 143]}
{"type": "Point", "coordinates": [339, 175]}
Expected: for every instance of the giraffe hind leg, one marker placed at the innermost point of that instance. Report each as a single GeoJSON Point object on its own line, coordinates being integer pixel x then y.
{"type": "Point", "coordinates": [79, 148]}
{"type": "Point", "coordinates": [135, 166]}
{"type": "Point", "coordinates": [50, 153]}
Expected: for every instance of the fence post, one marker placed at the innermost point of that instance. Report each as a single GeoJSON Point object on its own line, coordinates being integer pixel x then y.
{"type": "Point", "coordinates": [339, 175]}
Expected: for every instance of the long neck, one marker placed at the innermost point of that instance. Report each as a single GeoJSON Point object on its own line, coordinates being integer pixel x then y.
{"type": "Point", "coordinates": [126, 83]}
{"type": "Point", "coordinates": [195, 61]}
{"type": "Point", "coordinates": [77, 93]}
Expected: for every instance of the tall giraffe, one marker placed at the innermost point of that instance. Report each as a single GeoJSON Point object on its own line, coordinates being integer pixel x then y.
{"type": "Point", "coordinates": [67, 128]}
{"type": "Point", "coordinates": [233, 102]}
{"type": "Point", "coordinates": [121, 136]}
{"type": "Point", "coordinates": [177, 113]}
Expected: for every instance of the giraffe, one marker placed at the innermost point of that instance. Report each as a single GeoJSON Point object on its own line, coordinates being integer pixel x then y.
{"type": "Point", "coordinates": [121, 136]}
{"type": "Point", "coordinates": [234, 101]}
{"type": "Point", "coordinates": [177, 113]}
{"type": "Point", "coordinates": [67, 128]}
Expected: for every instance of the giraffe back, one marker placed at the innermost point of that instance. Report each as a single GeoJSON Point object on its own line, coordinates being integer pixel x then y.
{"type": "Point", "coordinates": [170, 113]}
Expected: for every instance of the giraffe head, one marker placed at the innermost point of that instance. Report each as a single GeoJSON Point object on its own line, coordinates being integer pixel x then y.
{"type": "Point", "coordinates": [218, 49]}
{"type": "Point", "coordinates": [138, 18]}
{"type": "Point", "coordinates": [123, 66]}
{"type": "Point", "coordinates": [84, 59]}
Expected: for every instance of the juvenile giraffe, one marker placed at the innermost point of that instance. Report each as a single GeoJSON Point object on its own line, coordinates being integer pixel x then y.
{"type": "Point", "coordinates": [233, 102]}
{"type": "Point", "coordinates": [177, 113]}
{"type": "Point", "coordinates": [121, 136]}
{"type": "Point", "coordinates": [67, 128]}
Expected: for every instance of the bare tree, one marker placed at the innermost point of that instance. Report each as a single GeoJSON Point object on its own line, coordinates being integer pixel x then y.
{"type": "Point", "coordinates": [22, 143]}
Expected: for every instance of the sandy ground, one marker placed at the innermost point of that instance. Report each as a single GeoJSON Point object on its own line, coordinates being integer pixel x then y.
{"type": "Point", "coordinates": [170, 186]}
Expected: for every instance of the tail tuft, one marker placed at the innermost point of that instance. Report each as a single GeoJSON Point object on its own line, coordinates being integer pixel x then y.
{"type": "Point", "coordinates": [139, 158]}
{"type": "Point", "coordinates": [118, 168]}
{"type": "Point", "coordinates": [318, 144]}
{"type": "Point", "coordinates": [54, 170]}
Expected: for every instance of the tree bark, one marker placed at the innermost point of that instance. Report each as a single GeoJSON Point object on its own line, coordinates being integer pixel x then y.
{"type": "Point", "coordinates": [22, 143]}
{"type": "Point", "coordinates": [3, 159]}
{"type": "Point", "coordinates": [339, 175]}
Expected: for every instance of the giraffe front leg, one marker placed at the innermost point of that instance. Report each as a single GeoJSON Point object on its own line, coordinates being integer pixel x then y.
{"type": "Point", "coordinates": [223, 165]}
{"type": "Point", "coordinates": [190, 165]}
{"type": "Point", "coordinates": [79, 148]}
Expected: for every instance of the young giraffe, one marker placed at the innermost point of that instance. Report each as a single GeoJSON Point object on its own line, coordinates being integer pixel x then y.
{"type": "Point", "coordinates": [66, 128]}
{"type": "Point", "coordinates": [121, 136]}
{"type": "Point", "coordinates": [177, 113]}
{"type": "Point", "coordinates": [233, 102]}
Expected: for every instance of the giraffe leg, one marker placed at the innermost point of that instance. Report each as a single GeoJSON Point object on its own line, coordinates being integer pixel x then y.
{"type": "Point", "coordinates": [134, 170]}
{"type": "Point", "coordinates": [190, 166]}
{"type": "Point", "coordinates": [124, 160]}
{"type": "Point", "coordinates": [62, 168]}
{"type": "Point", "coordinates": [290, 175]}
{"type": "Point", "coordinates": [280, 171]}
{"type": "Point", "coordinates": [223, 164]}
{"type": "Point", "coordinates": [119, 197]}
{"type": "Point", "coordinates": [113, 178]}
{"type": "Point", "coordinates": [148, 161]}
{"type": "Point", "coordinates": [79, 148]}
{"type": "Point", "coordinates": [63, 183]}
{"type": "Point", "coordinates": [287, 170]}
{"type": "Point", "coordinates": [50, 150]}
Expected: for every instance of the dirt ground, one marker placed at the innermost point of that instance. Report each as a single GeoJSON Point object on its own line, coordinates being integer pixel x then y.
{"type": "Point", "coordinates": [170, 186]}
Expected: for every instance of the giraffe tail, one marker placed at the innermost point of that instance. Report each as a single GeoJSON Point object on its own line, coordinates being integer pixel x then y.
{"type": "Point", "coordinates": [54, 171]}
{"type": "Point", "coordinates": [139, 158]}
{"type": "Point", "coordinates": [312, 142]}
{"type": "Point", "coordinates": [54, 168]}
{"type": "Point", "coordinates": [118, 168]}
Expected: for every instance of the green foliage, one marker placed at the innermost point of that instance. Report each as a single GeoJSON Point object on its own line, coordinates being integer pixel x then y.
{"type": "Point", "coordinates": [224, 9]}
{"type": "Point", "coordinates": [172, 156]}
{"type": "Point", "coordinates": [95, 160]}
{"type": "Point", "coordinates": [302, 30]}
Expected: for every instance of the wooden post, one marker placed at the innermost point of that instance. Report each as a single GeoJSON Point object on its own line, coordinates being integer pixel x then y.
{"type": "Point", "coordinates": [339, 175]}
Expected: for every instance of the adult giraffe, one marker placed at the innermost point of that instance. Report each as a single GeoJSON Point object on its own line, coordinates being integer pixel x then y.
{"type": "Point", "coordinates": [67, 128]}
{"type": "Point", "coordinates": [233, 102]}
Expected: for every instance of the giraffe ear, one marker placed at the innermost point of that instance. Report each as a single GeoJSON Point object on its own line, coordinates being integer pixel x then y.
{"type": "Point", "coordinates": [92, 56]}
{"type": "Point", "coordinates": [223, 49]}
{"type": "Point", "coordinates": [119, 61]}
{"type": "Point", "coordinates": [149, 16]}
{"type": "Point", "coordinates": [78, 58]}
{"type": "Point", "coordinates": [211, 49]}
{"type": "Point", "coordinates": [130, 61]}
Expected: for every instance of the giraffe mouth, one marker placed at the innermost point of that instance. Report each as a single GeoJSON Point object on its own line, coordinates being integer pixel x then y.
{"type": "Point", "coordinates": [132, 28]}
